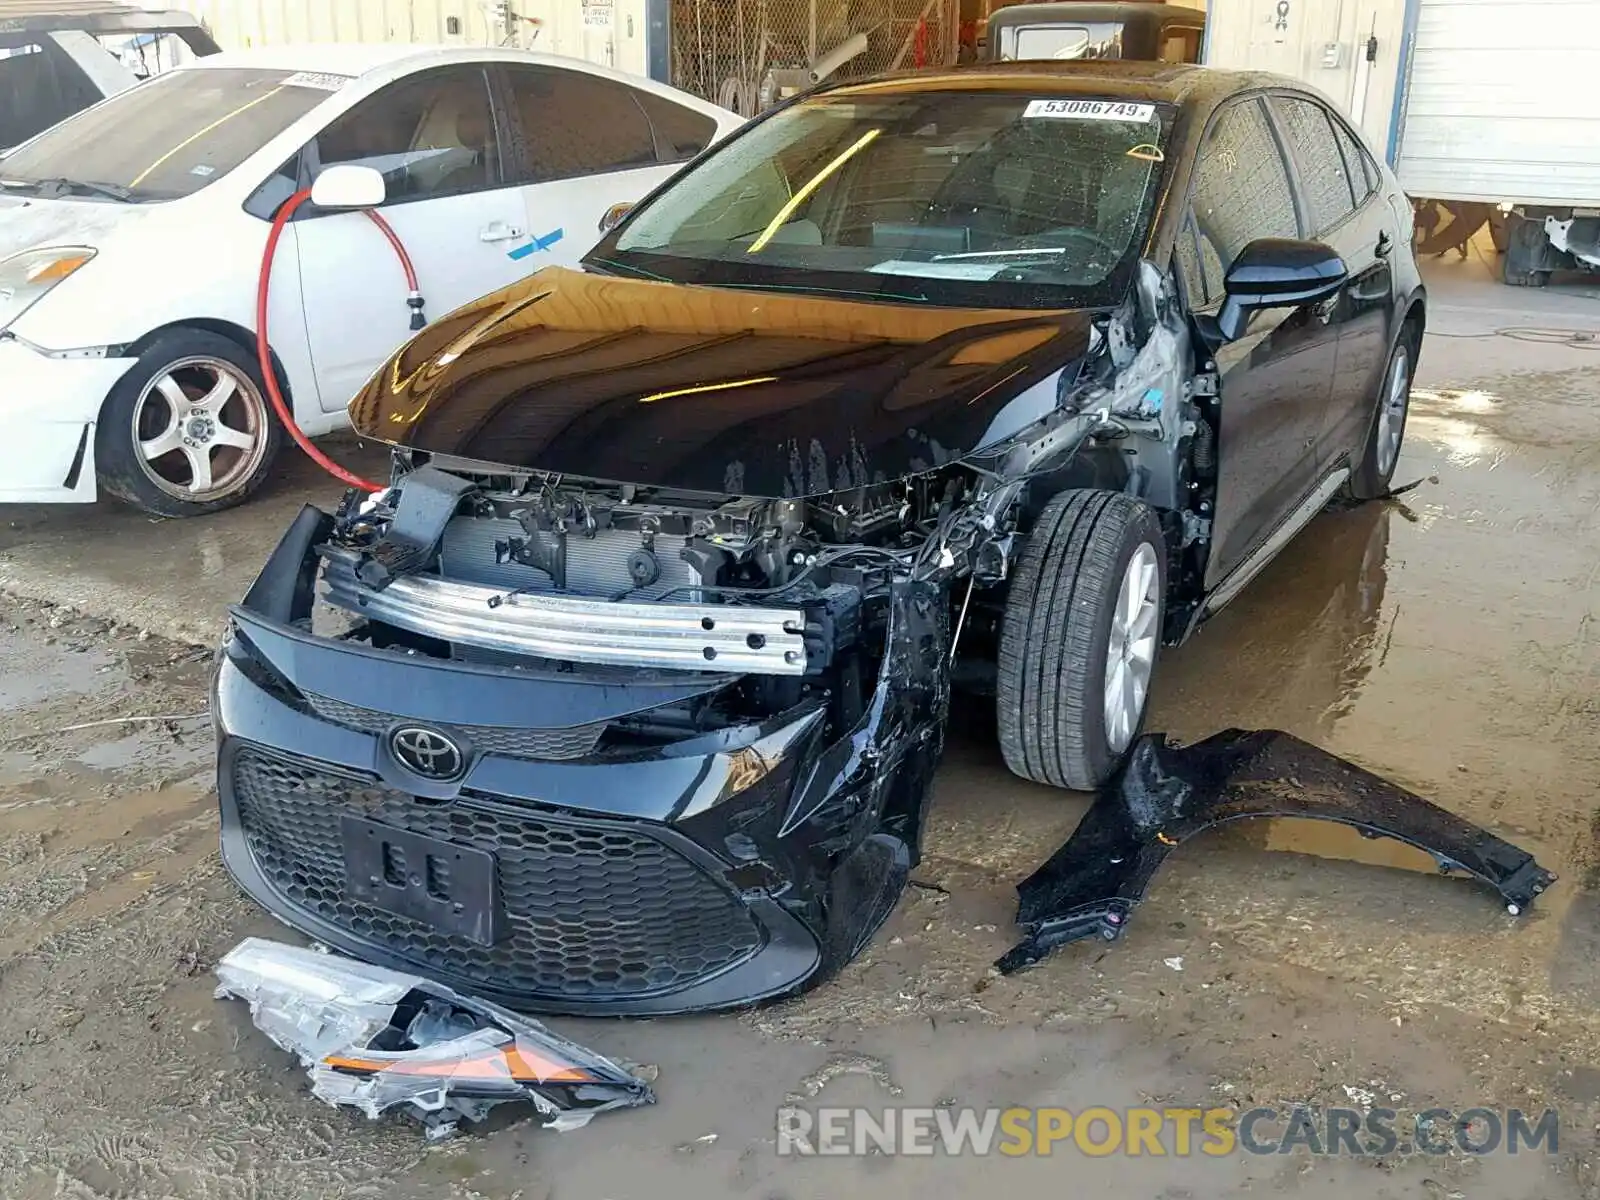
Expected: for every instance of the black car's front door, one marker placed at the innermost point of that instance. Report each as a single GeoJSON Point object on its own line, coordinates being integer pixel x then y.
{"type": "Point", "coordinates": [1342, 207]}
{"type": "Point", "coordinates": [1274, 381]}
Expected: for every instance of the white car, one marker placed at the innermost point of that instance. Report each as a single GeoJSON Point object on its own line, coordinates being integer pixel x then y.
{"type": "Point", "coordinates": [131, 238]}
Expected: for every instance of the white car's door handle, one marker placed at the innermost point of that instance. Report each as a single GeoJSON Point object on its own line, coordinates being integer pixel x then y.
{"type": "Point", "coordinates": [499, 231]}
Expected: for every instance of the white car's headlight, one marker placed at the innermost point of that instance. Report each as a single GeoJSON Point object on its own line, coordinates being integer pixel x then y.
{"type": "Point", "coordinates": [26, 277]}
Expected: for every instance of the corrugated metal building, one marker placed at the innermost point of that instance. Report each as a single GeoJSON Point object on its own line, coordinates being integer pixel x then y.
{"type": "Point", "coordinates": [1484, 100]}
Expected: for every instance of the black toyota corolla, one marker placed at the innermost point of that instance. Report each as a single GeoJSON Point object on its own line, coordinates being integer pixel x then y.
{"type": "Point", "coordinates": [626, 694]}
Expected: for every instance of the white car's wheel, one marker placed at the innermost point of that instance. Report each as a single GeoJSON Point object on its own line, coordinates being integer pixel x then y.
{"type": "Point", "coordinates": [188, 430]}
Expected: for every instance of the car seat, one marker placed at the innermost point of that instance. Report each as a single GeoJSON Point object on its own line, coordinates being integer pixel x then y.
{"type": "Point", "coordinates": [473, 136]}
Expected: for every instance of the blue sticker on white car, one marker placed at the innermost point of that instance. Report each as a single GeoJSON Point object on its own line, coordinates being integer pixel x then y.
{"type": "Point", "coordinates": [538, 243]}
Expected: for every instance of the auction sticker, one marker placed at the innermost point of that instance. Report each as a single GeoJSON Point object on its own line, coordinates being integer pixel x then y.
{"type": "Point", "coordinates": [323, 81]}
{"type": "Point", "coordinates": [1090, 110]}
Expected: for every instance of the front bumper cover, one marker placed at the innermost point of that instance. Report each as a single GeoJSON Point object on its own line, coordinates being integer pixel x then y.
{"type": "Point", "coordinates": [720, 870]}
{"type": "Point", "coordinates": [49, 407]}
{"type": "Point", "coordinates": [1164, 794]}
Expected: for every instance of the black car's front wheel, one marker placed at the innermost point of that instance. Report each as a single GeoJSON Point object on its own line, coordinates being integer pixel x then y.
{"type": "Point", "coordinates": [1080, 638]}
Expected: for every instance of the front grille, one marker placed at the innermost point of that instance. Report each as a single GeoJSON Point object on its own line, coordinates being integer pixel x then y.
{"type": "Point", "coordinates": [552, 744]}
{"type": "Point", "coordinates": [591, 909]}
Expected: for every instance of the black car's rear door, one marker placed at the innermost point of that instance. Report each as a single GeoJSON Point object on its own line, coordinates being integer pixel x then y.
{"type": "Point", "coordinates": [1275, 380]}
{"type": "Point", "coordinates": [1342, 207]}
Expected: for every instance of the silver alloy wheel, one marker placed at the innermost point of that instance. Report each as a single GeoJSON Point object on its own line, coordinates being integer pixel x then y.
{"type": "Point", "coordinates": [1131, 655]}
{"type": "Point", "coordinates": [1392, 412]}
{"type": "Point", "coordinates": [200, 429]}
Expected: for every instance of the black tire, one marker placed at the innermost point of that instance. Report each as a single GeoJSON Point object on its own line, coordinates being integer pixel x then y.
{"type": "Point", "coordinates": [1528, 252]}
{"type": "Point", "coordinates": [1056, 635]}
{"type": "Point", "coordinates": [1526, 278]}
{"type": "Point", "coordinates": [1373, 470]}
{"type": "Point", "coordinates": [138, 409]}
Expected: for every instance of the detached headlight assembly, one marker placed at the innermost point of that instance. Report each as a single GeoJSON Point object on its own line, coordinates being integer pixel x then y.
{"type": "Point", "coordinates": [26, 277]}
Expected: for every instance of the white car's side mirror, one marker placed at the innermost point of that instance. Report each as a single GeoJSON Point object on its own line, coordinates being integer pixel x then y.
{"type": "Point", "coordinates": [349, 186]}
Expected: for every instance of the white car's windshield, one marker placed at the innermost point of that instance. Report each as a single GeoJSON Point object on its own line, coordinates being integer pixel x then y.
{"type": "Point", "coordinates": [958, 197]}
{"type": "Point", "coordinates": [166, 138]}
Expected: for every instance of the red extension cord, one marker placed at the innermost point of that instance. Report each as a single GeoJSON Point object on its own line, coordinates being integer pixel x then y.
{"type": "Point", "coordinates": [263, 350]}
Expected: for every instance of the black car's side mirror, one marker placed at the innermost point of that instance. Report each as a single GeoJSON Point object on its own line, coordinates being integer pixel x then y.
{"type": "Point", "coordinates": [1271, 272]}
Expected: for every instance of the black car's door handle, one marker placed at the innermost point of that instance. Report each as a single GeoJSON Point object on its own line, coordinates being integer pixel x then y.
{"type": "Point", "coordinates": [1385, 244]}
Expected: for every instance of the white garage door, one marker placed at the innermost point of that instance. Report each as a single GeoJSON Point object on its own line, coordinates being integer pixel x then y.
{"type": "Point", "coordinates": [1504, 102]}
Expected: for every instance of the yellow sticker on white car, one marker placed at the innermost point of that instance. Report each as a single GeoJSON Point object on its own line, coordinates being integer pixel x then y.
{"type": "Point", "coordinates": [1091, 110]}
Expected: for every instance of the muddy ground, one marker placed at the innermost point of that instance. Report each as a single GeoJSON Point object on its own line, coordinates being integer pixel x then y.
{"type": "Point", "coordinates": [1447, 640]}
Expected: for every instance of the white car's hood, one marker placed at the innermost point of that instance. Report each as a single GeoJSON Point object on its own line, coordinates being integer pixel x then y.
{"type": "Point", "coordinates": [26, 222]}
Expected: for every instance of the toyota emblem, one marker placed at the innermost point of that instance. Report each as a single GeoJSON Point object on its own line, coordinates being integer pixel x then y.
{"type": "Point", "coordinates": [427, 752]}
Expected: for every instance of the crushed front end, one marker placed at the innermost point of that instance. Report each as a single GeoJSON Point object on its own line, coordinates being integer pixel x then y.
{"type": "Point", "coordinates": [590, 748]}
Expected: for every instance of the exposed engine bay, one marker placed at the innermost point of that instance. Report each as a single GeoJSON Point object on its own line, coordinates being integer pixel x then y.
{"type": "Point", "coordinates": [792, 594]}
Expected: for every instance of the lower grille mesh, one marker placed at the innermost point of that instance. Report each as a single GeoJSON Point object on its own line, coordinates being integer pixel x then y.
{"type": "Point", "coordinates": [591, 909]}
{"type": "Point", "coordinates": [577, 741]}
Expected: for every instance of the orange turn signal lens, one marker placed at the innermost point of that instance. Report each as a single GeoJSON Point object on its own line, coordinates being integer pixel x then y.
{"type": "Point", "coordinates": [57, 269]}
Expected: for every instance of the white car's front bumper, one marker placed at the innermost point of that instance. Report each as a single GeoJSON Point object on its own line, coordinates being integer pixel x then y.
{"type": "Point", "coordinates": [48, 410]}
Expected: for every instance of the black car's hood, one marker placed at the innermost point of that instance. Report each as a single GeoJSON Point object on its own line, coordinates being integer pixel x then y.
{"type": "Point", "coordinates": [715, 390]}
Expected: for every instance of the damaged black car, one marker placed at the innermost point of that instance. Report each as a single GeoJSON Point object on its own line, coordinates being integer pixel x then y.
{"type": "Point", "coordinates": [626, 694]}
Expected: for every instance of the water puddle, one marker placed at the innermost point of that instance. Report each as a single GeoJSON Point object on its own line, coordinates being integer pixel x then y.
{"type": "Point", "coordinates": [1323, 839]}
{"type": "Point", "coordinates": [31, 677]}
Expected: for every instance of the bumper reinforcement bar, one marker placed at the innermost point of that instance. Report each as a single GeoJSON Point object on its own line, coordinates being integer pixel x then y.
{"type": "Point", "coordinates": [696, 637]}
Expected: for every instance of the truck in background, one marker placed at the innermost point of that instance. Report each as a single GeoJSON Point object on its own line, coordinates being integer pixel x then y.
{"type": "Point", "coordinates": [56, 61]}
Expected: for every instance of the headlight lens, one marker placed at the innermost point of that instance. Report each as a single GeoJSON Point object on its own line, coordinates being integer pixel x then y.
{"type": "Point", "coordinates": [26, 277]}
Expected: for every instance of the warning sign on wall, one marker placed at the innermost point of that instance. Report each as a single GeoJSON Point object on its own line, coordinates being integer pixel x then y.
{"type": "Point", "coordinates": [597, 12]}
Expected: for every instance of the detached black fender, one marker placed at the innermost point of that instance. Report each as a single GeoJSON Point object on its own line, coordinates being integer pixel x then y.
{"type": "Point", "coordinates": [1165, 794]}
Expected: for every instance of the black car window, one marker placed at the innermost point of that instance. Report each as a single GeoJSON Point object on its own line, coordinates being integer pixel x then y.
{"type": "Point", "coordinates": [1186, 250]}
{"type": "Point", "coordinates": [430, 135]}
{"type": "Point", "coordinates": [952, 196]}
{"type": "Point", "coordinates": [574, 124]}
{"type": "Point", "coordinates": [1324, 184]}
{"type": "Point", "coordinates": [681, 133]}
{"type": "Point", "coordinates": [1358, 163]}
{"type": "Point", "coordinates": [1241, 191]}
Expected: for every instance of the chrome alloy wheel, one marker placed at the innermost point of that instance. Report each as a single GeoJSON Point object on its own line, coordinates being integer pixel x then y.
{"type": "Point", "coordinates": [200, 428]}
{"type": "Point", "coordinates": [1392, 413]}
{"type": "Point", "coordinates": [1131, 655]}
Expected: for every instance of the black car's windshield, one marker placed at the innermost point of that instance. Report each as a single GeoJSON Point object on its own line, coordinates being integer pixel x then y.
{"type": "Point", "coordinates": [165, 138]}
{"type": "Point", "coordinates": [950, 197]}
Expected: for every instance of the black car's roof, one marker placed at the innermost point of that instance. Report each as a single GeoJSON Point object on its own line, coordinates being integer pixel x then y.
{"type": "Point", "coordinates": [1182, 84]}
